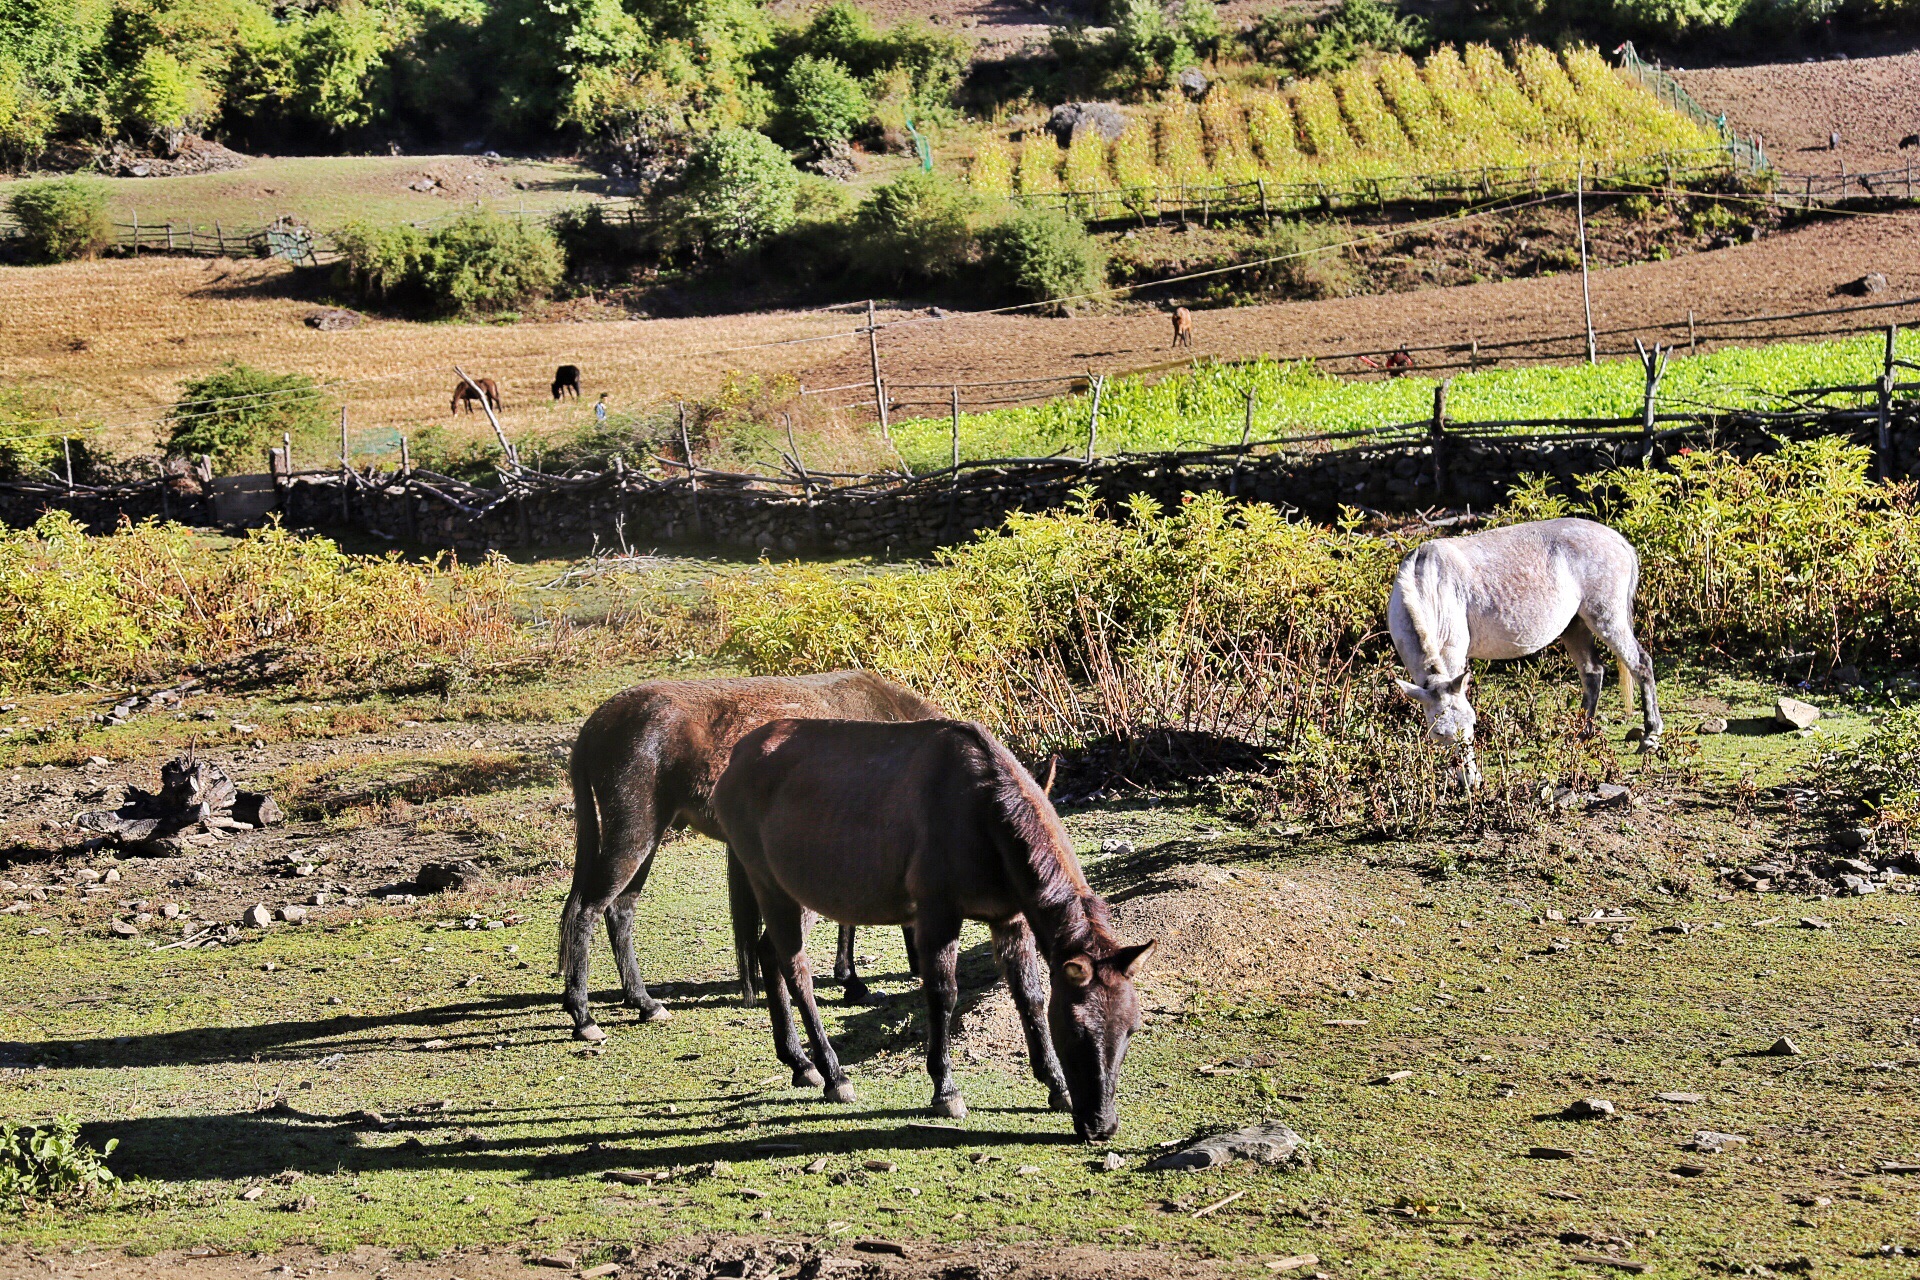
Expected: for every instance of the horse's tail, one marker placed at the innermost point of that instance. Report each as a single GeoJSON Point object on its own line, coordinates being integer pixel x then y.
{"type": "Point", "coordinates": [745, 908]}
{"type": "Point", "coordinates": [1626, 682]}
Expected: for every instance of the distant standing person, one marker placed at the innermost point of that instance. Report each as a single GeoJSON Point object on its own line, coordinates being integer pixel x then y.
{"type": "Point", "coordinates": [600, 409]}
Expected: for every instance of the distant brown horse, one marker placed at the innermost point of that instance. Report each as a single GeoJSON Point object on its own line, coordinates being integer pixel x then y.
{"type": "Point", "coordinates": [929, 824]}
{"type": "Point", "coordinates": [647, 760]}
{"type": "Point", "coordinates": [463, 393]}
{"type": "Point", "coordinates": [1182, 327]}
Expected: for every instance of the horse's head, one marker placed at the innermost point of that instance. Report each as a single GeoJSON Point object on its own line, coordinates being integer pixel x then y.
{"type": "Point", "coordinates": [1450, 717]}
{"type": "Point", "coordinates": [1093, 1012]}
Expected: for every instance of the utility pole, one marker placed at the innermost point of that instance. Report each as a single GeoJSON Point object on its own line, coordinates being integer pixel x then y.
{"type": "Point", "coordinates": [1586, 292]}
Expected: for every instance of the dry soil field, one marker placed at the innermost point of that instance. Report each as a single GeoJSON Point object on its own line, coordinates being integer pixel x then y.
{"type": "Point", "coordinates": [1871, 102]}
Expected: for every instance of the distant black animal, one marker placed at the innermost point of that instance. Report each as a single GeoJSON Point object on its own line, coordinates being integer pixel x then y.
{"type": "Point", "coordinates": [1911, 140]}
{"type": "Point", "coordinates": [566, 378]}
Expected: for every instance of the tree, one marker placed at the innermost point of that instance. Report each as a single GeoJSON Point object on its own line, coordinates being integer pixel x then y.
{"type": "Point", "coordinates": [824, 102]}
{"type": "Point", "coordinates": [61, 219]}
{"type": "Point", "coordinates": [1045, 256]}
{"type": "Point", "coordinates": [237, 412]}
{"type": "Point", "coordinates": [740, 189]}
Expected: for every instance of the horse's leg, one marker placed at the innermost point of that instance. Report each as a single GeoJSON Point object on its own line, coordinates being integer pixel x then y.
{"type": "Point", "coordinates": [786, 1042]}
{"type": "Point", "coordinates": [785, 951]}
{"type": "Point", "coordinates": [1019, 961]}
{"type": "Point", "coordinates": [852, 989]}
{"type": "Point", "coordinates": [744, 908]}
{"type": "Point", "coordinates": [1613, 624]}
{"type": "Point", "coordinates": [913, 952]}
{"type": "Point", "coordinates": [938, 940]}
{"type": "Point", "coordinates": [620, 936]}
{"type": "Point", "coordinates": [1577, 640]}
{"type": "Point", "coordinates": [614, 839]}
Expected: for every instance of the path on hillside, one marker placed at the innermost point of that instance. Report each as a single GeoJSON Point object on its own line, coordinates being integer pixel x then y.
{"type": "Point", "coordinates": [1800, 270]}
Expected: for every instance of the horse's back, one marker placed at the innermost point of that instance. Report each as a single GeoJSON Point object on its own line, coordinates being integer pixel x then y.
{"type": "Point", "coordinates": [1518, 587]}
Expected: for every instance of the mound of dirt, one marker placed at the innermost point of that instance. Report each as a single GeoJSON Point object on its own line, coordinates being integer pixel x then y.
{"type": "Point", "coordinates": [194, 154]}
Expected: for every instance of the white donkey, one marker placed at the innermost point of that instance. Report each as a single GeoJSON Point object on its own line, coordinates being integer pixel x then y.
{"type": "Point", "coordinates": [1510, 592]}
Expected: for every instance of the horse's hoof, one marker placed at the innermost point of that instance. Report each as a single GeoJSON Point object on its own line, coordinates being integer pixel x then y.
{"type": "Point", "coordinates": [807, 1078]}
{"type": "Point", "coordinates": [1057, 1100]}
{"type": "Point", "coordinates": [590, 1033]}
{"type": "Point", "coordinates": [840, 1091]}
{"type": "Point", "coordinates": [949, 1105]}
{"type": "Point", "coordinates": [1650, 745]}
{"type": "Point", "coordinates": [855, 992]}
{"type": "Point", "coordinates": [653, 1011]}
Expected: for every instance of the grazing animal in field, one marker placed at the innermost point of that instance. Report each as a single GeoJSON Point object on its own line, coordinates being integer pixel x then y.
{"type": "Point", "coordinates": [930, 823]}
{"type": "Point", "coordinates": [464, 393]}
{"type": "Point", "coordinates": [1182, 327]}
{"type": "Point", "coordinates": [1911, 140]}
{"type": "Point", "coordinates": [647, 760]}
{"type": "Point", "coordinates": [1506, 593]}
{"type": "Point", "coordinates": [566, 379]}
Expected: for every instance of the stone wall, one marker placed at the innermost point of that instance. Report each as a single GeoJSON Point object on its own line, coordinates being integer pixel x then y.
{"type": "Point", "coordinates": [1458, 469]}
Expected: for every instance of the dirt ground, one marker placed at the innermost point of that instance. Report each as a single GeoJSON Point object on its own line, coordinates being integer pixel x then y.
{"type": "Point", "coordinates": [1804, 269]}
{"type": "Point", "coordinates": [1872, 102]}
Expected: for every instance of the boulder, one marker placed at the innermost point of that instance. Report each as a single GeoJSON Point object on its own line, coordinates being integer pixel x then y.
{"type": "Point", "coordinates": [1070, 119]}
{"type": "Point", "coordinates": [1194, 83]}
{"type": "Point", "coordinates": [1791, 713]}
{"type": "Point", "coordinates": [1263, 1143]}
{"type": "Point", "coordinates": [256, 916]}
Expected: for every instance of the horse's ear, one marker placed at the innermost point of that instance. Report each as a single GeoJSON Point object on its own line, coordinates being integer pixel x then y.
{"type": "Point", "coordinates": [1413, 692]}
{"type": "Point", "coordinates": [1131, 960]}
{"type": "Point", "coordinates": [1079, 970]}
{"type": "Point", "coordinates": [1457, 685]}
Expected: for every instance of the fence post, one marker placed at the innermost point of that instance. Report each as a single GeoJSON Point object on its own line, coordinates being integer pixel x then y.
{"type": "Point", "coordinates": [1693, 341]}
{"type": "Point", "coordinates": [346, 489]}
{"type": "Point", "coordinates": [66, 451]}
{"type": "Point", "coordinates": [1266, 215]}
{"type": "Point", "coordinates": [879, 388]}
{"type": "Point", "coordinates": [1656, 367]}
{"type": "Point", "coordinates": [1093, 419]}
{"type": "Point", "coordinates": [1437, 432]}
{"type": "Point", "coordinates": [507, 450]}
{"type": "Point", "coordinates": [956, 429]}
{"type": "Point", "coordinates": [1883, 440]}
{"type": "Point", "coordinates": [686, 450]}
{"type": "Point", "coordinates": [136, 232]}
{"type": "Point", "coordinates": [1586, 294]}
{"type": "Point", "coordinates": [221, 237]}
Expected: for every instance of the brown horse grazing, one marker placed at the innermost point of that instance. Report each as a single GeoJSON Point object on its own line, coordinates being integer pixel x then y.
{"type": "Point", "coordinates": [646, 760]}
{"type": "Point", "coordinates": [1182, 327]}
{"type": "Point", "coordinates": [465, 394]}
{"type": "Point", "coordinates": [930, 823]}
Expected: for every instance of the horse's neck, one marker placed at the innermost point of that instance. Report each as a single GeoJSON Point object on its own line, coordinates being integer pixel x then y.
{"type": "Point", "coordinates": [1049, 898]}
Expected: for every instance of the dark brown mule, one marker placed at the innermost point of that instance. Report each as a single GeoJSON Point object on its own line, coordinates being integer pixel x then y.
{"type": "Point", "coordinates": [647, 760]}
{"type": "Point", "coordinates": [930, 824]}
{"type": "Point", "coordinates": [463, 393]}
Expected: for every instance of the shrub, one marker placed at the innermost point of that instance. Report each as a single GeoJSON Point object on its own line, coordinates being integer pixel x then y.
{"type": "Point", "coordinates": [1882, 771]}
{"type": "Point", "coordinates": [237, 412]}
{"type": "Point", "coordinates": [49, 1164]}
{"type": "Point", "coordinates": [159, 98]}
{"type": "Point", "coordinates": [481, 263]}
{"type": "Point", "coordinates": [1044, 256]}
{"type": "Point", "coordinates": [914, 229]}
{"type": "Point", "coordinates": [1319, 46]}
{"type": "Point", "coordinates": [61, 219]}
{"type": "Point", "coordinates": [27, 118]}
{"type": "Point", "coordinates": [741, 189]}
{"type": "Point", "coordinates": [26, 445]}
{"type": "Point", "coordinates": [381, 265]}
{"type": "Point", "coordinates": [824, 101]}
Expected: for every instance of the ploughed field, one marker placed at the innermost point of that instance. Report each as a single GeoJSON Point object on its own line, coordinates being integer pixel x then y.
{"type": "Point", "coordinates": [391, 1084]}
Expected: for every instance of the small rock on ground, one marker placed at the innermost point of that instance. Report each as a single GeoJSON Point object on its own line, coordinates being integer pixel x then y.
{"type": "Point", "coordinates": [1791, 713]}
{"type": "Point", "coordinates": [256, 916]}
{"type": "Point", "coordinates": [1264, 1143]}
{"type": "Point", "coordinates": [1588, 1109]}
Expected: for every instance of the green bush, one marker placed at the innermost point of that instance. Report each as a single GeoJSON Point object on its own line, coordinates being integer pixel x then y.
{"type": "Point", "coordinates": [159, 98]}
{"type": "Point", "coordinates": [27, 118]}
{"type": "Point", "coordinates": [481, 263]}
{"type": "Point", "coordinates": [236, 413]}
{"type": "Point", "coordinates": [49, 1164]}
{"type": "Point", "coordinates": [824, 102]}
{"type": "Point", "coordinates": [380, 265]}
{"type": "Point", "coordinates": [1318, 46]}
{"type": "Point", "coordinates": [1044, 256]}
{"type": "Point", "coordinates": [741, 188]}
{"type": "Point", "coordinates": [914, 230]}
{"type": "Point", "coordinates": [1883, 770]}
{"type": "Point", "coordinates": [61, 219]}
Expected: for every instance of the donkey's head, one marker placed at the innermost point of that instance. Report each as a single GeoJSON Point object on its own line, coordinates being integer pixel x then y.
{"type": "Point", "coordinates": [1093, 1012]}
{"type": "Point", "coordinates": [1450, 717]}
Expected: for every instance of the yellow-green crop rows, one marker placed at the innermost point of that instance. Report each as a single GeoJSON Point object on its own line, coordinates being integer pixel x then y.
{"type": "Point", "coordinates": [1389, 118]}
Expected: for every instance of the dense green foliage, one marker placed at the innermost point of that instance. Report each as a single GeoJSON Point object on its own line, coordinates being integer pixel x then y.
{"type": "Point", "coordinates": [1321, 45]}
{"type": "Point", "coordinates": [916, 230]}
{"type": "Point", "coordinates": [1883, 770]}
{"type": "Point", "coordinates": [61, 219]}
{"type": "Point", "coordinates": [1209, 405]}
{"type": "Point", "coordinates": [630, 73]}
{"type": "Point", "coordinates": [1042, 255]}
{"type": "Point", "coordinates": [49, 1164]}
{"type": "Point", "coordinates": [477, 264]}
{"type": "Point", "coordinates": [740, 189]}
{"type": "Point", "coordinates": [236, 413]}
{"type": "Point", "coordinates": [825, 103]}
